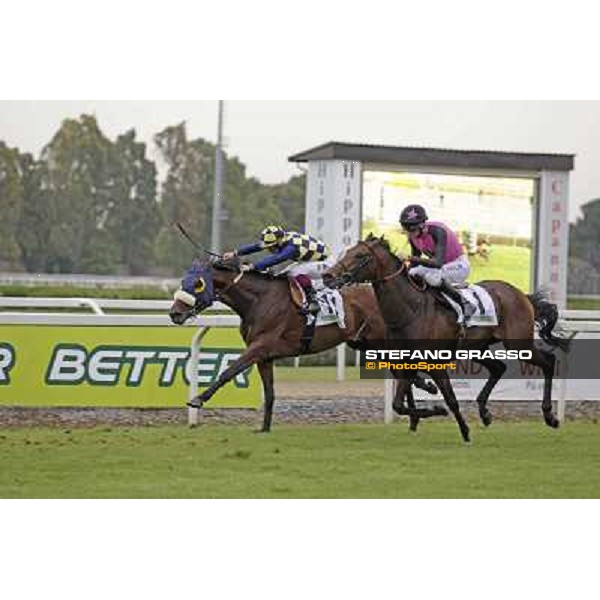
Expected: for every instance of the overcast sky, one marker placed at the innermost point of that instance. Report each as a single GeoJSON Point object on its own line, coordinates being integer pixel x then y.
{"type": "Point", "coordinates": [264, 133]}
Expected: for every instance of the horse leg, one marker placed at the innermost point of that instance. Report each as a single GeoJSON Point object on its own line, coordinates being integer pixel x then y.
{"type": "Point", "coordinates": [404, 390]}
{"type": "Point", "coordinates": [442, 380]}
{"type": "Point", "coordinates": [496, 369]}
{"type": "Point", "coordinates": [402, 387]}
{"type": "Point", "coordinates": [546, 361]}
{"type": "Point", "coordinates": [265, 368]}
{"type": "Point", "coordinates": [427, 386]}
{"type": "Point", "coordinates": [410, 401]}
{"type": "Point", "coordinates": [245, 361]}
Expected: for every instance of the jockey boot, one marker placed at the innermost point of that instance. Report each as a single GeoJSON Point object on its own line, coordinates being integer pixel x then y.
{"type": "Point", "coordinates": [467, 309]}
{"type": "Point", "coordinates": [312, 305]}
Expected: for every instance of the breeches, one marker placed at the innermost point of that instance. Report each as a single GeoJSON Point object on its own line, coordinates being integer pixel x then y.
{"type": "Point", "coordinates": [454, 272]}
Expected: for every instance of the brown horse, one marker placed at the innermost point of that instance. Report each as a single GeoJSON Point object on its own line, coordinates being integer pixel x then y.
{"type": "Point", "coordinates": [272, 326]}
{"type": "Point", "coordinates": [412, 314]}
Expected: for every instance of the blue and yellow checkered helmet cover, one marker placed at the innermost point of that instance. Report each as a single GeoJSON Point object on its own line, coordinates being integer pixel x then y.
{"type": "Point", "coordinates": [271, 234]}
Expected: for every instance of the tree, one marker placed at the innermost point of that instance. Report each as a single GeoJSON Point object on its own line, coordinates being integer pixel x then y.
{"type": "Point", "coordinates": [89, 204]}
{"type": "Point", "coordinates": [585, 234]}
{"type": "Point", "coordinates": [290, 197]}
{"type": "Point", "coordinates": [584, 251]}
{"type": "Point", "coordinates": [11, 206]}
{"type": "Point", "coordinates": [248, 204]}
{"type": "Point", "coordinates": [81, 172]}
{"type": "Point", "coordinates": [36, 217]}
{"type": "Point", "coordinates": [134, 219]}
{"type": "Point", "coordinates": [186, 195]}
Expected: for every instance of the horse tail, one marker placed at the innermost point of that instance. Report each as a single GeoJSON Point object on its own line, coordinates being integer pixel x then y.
{"type": "Point", "coordinates": [545, 314]}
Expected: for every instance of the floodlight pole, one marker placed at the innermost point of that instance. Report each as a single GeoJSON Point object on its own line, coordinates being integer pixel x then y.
{"type": "Point", "coordinates": [218, 190]}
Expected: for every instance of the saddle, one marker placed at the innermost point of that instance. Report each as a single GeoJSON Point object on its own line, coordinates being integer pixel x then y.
{"type": "Point", "coordinates": [296, 292]}
{"type": "Point", "coordinates": [331, 311]}
{"type": "Point", "coordinates": [484, 311]}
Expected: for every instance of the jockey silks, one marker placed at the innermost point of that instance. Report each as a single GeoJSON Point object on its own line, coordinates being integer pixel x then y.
{"type": "Point", "coordinates": [425, 242]}
{"type": "Point", "coordinates": [294, 246]}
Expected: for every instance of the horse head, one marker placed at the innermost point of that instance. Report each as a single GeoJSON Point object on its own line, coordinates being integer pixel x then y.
{"type": "Point", "coordinates": [366, 261]}
{"type": "Point", "coordinates": [195, 293]}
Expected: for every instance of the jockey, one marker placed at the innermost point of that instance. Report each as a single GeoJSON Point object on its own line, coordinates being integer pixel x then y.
{"type": "Point", "coordinates": [445, 264]}
{"type": "Point", "coordinates": [310, 258]}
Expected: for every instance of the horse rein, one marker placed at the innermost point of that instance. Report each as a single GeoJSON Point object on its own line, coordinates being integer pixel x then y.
{"type": "Point", "coordinates": [350, 276]}
{"type": "Point", "coordinates": [235, 280]}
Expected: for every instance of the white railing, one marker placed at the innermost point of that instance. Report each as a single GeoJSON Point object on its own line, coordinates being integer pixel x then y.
{"type": "Point", "coordinates": [98, 305]}
{"type": "Point", "coordinates": [91, 281]}
{"type": "Point", "coordinates": [575, 321]}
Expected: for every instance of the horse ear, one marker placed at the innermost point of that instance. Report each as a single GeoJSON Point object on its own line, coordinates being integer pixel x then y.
{"type": "Point", "coordinates": [370, 237]}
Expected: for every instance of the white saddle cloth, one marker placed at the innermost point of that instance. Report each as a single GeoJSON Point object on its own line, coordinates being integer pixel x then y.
{"type": "Point", "coordinates": [331, 310]}
{"type": "Point", "coordinates": [484, 314]}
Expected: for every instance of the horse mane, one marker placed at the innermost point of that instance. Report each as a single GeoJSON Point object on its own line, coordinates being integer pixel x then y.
{"type": "Point", "coordinates": [384, 243]}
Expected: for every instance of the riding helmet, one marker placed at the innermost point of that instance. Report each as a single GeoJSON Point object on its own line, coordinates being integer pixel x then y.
{"type": "Point", "coordinates": [271, 234]}
{"type": "Point", "coordinates": [413, 214]}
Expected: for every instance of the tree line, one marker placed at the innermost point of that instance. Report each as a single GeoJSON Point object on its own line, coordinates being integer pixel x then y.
{"type": "Point", "coordinates": [584, 251]}
{"type": "Point", "coordinates": [90, 204]}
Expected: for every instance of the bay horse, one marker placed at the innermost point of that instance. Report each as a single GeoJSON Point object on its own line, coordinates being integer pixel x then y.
{"type": "Point", "coordinates": [410, 313]}
{"type": "Point", "coordinates": [272, 326]}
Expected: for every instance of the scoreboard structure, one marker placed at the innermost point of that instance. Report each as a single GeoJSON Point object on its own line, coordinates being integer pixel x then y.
{"type": "Point", "coordinates": [335, 194]}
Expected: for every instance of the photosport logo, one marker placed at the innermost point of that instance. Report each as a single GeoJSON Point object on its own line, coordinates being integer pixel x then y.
{"type": "Point", "coordinates": [464, 362]}
{"type": "Point", "coordinates": [74, 364]}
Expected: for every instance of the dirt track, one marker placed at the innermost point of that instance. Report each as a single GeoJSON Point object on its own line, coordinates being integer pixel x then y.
{"type": "Point", "coordinates": [305, 402]}
{"type": "Point", "coordinates": [303, 390]}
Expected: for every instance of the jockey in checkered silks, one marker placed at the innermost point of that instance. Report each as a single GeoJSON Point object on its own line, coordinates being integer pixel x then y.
{"type": "Point", "coordinates": [437, 255]}
{"type": "Point", "coordinates": [310, 258]}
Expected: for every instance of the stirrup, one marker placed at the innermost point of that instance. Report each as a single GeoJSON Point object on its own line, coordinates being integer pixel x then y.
{"type": "Point", "coordinates": [312, 308]}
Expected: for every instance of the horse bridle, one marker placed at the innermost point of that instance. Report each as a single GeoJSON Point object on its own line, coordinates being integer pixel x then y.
{"type": "Point", "coordinates": [194, 310]}
{"type": "Point", "coordinates": [236, 279]}
{"type": "Point", "coordinates": [351, 276]}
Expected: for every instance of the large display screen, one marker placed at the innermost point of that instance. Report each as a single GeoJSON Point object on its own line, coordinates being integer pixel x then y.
{"type": "Point", "coordinates": [492, 216]}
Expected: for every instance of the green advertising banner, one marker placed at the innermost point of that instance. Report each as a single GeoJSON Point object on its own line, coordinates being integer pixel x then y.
{"type": "Point", "coordinates": [117, 366]}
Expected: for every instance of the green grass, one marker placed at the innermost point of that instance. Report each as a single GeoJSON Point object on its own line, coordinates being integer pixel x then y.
{"type": "Point", "coordinates": [506, 263]}
{"type": "Point", "coordinates": [524, 460]}
{"type": "Point", "coordinates": [583, 303]}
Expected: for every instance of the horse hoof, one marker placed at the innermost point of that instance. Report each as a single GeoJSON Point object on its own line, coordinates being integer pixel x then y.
{"type": "Point", "coordinates": [553, 422]}
{"type": "Point", "coordinates": [487, 419]}
{"type": "Point", "coordinates": [261, 431]}
{"type": "Point", "coordinates": [440, 411]}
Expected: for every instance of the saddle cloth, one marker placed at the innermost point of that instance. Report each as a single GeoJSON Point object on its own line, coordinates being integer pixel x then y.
{"type": "Point", "coordinates": [331, 304]}
{"type": "Point", "coordinates": [484, 314]}
{"type": "Point", "coordinates": [332, 308]}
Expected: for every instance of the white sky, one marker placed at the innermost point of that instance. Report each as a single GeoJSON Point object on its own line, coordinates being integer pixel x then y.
{"type": "Point", "coordinates": [264, 133]}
